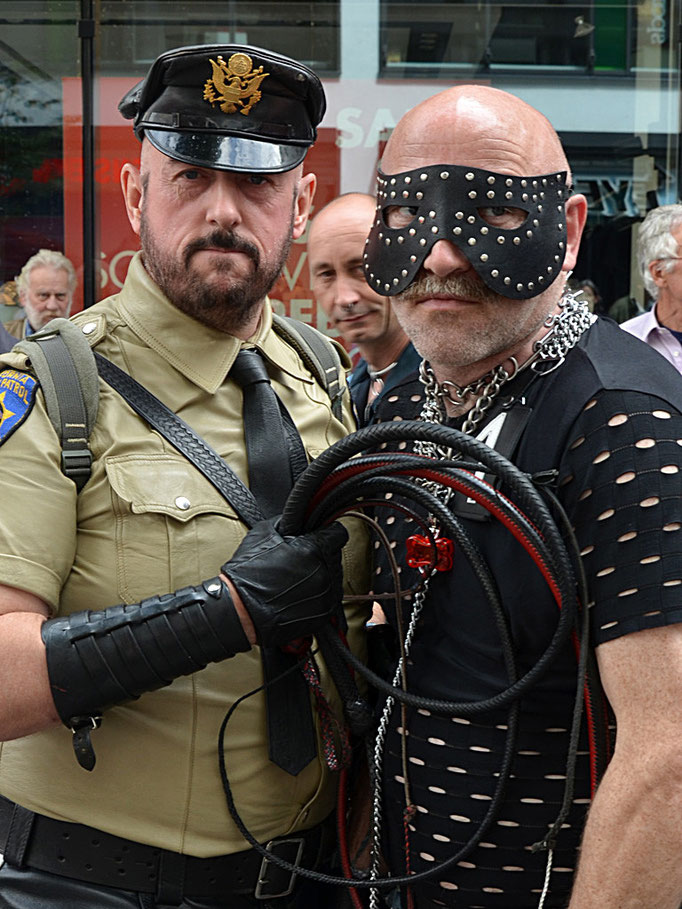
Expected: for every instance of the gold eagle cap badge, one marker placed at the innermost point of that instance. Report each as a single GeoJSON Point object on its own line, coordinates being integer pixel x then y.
{"type": "Point", "coordinates": [235, 84]}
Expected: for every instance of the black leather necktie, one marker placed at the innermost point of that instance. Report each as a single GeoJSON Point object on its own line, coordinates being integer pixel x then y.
{"type": "Point", "coordinates": [274, 451]}
{"type": "Point", "coordinates": [270, 478]}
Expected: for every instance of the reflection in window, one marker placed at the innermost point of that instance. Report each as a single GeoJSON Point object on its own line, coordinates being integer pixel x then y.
{"type": "Point", "coordinates": [442, 37]}
{"type": "Point", "coordinates": [134, 33]}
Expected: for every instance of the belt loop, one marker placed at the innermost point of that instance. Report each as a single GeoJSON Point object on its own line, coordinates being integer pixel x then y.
{"type": "Point", "coordinates": [18, 833]}
{"type": "Point", "coordinates": [170, 886]}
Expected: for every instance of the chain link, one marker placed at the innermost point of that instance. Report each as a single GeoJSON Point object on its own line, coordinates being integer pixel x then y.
{"type": "Point", "coordinates": [377, 813]}
{"type": "Point", "coordinates": [564, 331]}
{"type": "Point", "coordinates": [485, 399]}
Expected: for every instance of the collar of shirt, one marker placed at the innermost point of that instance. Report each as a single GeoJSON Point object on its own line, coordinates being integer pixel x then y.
{"type": "Point", "coordinates": [642, 326]}
{"type": "Point", "coordinates": [201, 353]}
{"type": "Point", "coordinates": [406, 363]}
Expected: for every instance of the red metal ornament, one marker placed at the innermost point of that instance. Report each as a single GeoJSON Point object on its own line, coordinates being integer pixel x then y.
{"type": "Point", "coordinates": [420, 552]}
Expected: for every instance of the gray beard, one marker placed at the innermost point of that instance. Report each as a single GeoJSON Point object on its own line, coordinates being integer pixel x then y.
{"type": "Point", "coordinates": [451, 341]}
{"type": "Point", "coordinates": [472, 289]}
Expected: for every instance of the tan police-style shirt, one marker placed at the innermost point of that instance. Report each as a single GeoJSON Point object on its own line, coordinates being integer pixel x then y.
{"type": "Point", "coordinates": [147, 523]}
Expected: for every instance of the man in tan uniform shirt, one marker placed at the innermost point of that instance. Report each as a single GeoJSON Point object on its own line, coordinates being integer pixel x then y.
{"type": "Point", "coordinates": [217, 198]}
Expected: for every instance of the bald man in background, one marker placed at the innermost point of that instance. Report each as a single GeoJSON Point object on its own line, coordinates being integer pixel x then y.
{"type": "Point", "coordinates": [336, 245]}
{"type": "Point", "coordinates": [476, 235]}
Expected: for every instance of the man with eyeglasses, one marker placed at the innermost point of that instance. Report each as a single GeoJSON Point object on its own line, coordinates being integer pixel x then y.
{"type": "Point", "coordinates": [658, 255]}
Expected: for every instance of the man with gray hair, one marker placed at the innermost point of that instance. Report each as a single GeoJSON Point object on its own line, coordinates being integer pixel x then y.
{"type": "Point", "coordinates": [658, 252]}
{"type": "Point", "coordinates": [46, 285]}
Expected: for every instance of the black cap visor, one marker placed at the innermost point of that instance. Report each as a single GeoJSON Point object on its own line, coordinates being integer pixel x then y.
{"type": "Point", "coordinates": [221, 152]}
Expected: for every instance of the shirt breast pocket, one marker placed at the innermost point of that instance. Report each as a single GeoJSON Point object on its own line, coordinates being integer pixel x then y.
{"type": "Point", "coordinates": [172, 527]}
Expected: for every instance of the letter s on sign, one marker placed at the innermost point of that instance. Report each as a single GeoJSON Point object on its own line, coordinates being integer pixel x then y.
{"type": "Point", "coordinates": [345, 123]}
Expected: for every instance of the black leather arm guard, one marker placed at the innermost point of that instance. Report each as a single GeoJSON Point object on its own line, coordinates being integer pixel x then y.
{"type": "Point", "coordinates": [98, 659]}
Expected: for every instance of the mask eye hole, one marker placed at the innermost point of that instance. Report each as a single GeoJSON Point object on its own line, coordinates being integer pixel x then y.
{"type": "Point", "coordinates": [400, 215]}
{"type": "Point", "coordinates": [502, 216]}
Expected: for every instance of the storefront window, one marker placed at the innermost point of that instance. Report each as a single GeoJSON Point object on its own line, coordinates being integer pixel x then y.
{"type": "Point", "coordinates": [446, 38]}
{"type": "Point", "coordinates": [38, 49]}
{"type": "Point", "coordinates": [605, 73]}
{"type": "Point", "coordinates": [134, 32]}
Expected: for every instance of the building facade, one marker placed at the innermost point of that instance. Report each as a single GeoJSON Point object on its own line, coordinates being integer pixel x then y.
{"type": "Point", "coordinates": [605, 72]}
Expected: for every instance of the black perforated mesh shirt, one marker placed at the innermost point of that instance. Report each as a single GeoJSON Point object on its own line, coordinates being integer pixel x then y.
{"type": "Point", "coordinates": [609, 423]}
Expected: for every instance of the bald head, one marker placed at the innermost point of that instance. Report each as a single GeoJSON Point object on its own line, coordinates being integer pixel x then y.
{"type": "Point", "coordinates": [336, 246]}
{"type": "Point", "coordinates": [356, 207]}
{"type": "Point", "coordinates": [476, 229]}
{"type": "Point", "coordinates": [478, 126]}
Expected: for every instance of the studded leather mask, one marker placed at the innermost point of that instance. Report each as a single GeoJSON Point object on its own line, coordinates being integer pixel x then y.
{"type": "Point", "coordinates": [452, 202]}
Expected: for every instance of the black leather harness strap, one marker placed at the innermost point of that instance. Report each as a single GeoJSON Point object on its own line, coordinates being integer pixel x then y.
{"type": "Point", "coordinates": [291, 731]}
{"type": "Point", "coordinates": [184, 439]}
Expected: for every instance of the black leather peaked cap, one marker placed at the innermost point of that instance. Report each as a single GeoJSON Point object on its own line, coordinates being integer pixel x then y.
{"type": "Point", "coordinates": [228, 106]}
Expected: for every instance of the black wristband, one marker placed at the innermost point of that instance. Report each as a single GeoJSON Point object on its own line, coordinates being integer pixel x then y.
{"type": "Point", "coordinates": [98, 659]}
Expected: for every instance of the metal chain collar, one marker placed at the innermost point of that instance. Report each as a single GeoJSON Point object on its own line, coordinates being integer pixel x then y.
{"type": "Point", "coordinates": [564, 331]}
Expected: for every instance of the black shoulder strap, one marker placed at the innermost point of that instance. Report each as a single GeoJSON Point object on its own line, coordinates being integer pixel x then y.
{"type": "Point", "coordinates": [64, 364]}
{"type": "Point", "coordinates": [319, 355]}
{"type": "Point", "coordinates": [62, 361]}
{"type": "Point", "coordinates": [184, 439]}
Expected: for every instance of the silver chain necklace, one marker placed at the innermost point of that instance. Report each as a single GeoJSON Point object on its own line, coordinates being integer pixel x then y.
{"type": "Point", "coordinates": [378, 373]}
{"type": "Point", "coordinates": [564, 330]}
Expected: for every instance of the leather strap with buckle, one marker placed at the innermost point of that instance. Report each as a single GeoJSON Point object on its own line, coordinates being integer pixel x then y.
{"type": "Point", "coordinates": [273, 876]}
{"type": "Point", "coordinates": [73, 850]}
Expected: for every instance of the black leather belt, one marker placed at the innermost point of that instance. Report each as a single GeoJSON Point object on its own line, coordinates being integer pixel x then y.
{"type": "Point", "coordinates": [86, 854]}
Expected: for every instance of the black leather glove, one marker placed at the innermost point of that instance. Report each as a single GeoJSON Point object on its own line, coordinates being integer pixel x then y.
{"type": "Point", "coordinates": [290, 586]}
